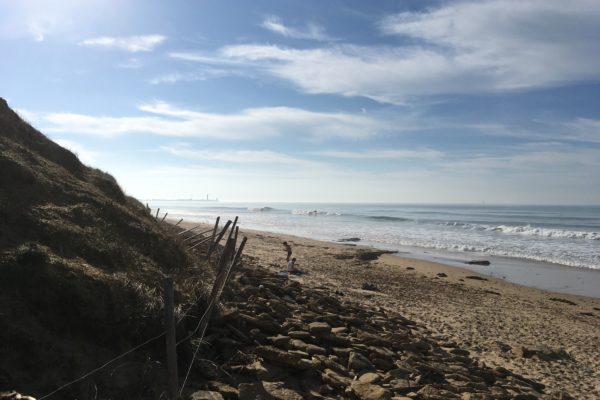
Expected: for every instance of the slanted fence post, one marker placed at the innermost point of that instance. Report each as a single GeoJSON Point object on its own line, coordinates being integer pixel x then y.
{"type": "Point", "coordinates": [170, 338]}
{"type": "Point", "coordinates": [157, 211]}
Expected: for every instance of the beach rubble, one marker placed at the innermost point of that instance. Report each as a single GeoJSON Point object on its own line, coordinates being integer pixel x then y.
{"type": "Point", "coordinates": [290, 341]}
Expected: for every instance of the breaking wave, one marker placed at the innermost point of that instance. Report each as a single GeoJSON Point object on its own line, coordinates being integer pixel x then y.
{"type": "Point", "coordinates": [529, 230]}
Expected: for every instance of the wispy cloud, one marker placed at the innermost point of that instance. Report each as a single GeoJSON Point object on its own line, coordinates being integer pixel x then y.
{"type": "Point", "coordinates": [458, 48]}
{"type": "Point", "coordinates": [311, 31]}
{"type": "Point", "coordinates": [202, 75]}
{"type": "Point", "coordinates": [247, 124]}
{"type": "Point", "coordinates": [426, 154]}
{"type": "Point", "coordinates": [131, 44]}
{"type": "Point", "coordinates": [241, 156]}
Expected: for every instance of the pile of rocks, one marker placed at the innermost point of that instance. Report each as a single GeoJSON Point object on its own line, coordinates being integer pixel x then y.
{"type": "Point", "coordinates": [277, 339]}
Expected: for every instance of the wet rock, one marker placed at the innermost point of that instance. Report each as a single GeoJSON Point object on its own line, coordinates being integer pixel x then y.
{"type": "Point", "coordinates": [350, 239]}
{"type": "Point", "coordinates": [478, 262]}
{"type": "Point", "coordinates": [441, 275]}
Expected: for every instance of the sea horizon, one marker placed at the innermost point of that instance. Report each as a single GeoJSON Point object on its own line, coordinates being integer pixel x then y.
{"type": "Point", "coordinates": [533, 237]}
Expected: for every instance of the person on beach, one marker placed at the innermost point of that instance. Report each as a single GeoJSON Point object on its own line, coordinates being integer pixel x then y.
{"type": "Point", "coordinates": [288, 249]}
{"type": "Point", "coordinates": [291, 268]}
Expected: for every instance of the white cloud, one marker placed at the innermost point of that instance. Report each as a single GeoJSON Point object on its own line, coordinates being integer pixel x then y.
{"type": "Point", "coordinates": [465, 47]}
{"type": "Point", "coordinates": [514, 44]}
{"type": "Point", "coordinates": [247, 124]}
{"type": "Point", "coordinates": [312, 31]}
{"type": "Point", "coordinates": [131, 44]}
{"type": "Point", "coordinates": [241, 156]}
{"type": "Point", "coordinates": [202, 75]}
{"type": "Point", "coordinates": [40, 19]}
{"type": "Point", "coordinates": [584, 129]}
{"type": "Point", "coordinates": [426, 154]}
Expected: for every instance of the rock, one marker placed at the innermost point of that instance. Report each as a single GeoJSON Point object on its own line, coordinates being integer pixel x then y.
{"type": "Point", "coordinates": [253, 391]}
{"type": "Point", "coordinates": [543, 353]}
{"type": "Point", "coordinates": [265, 325]}
{"type": "Point", "coordinates": [280, 340]}
{"type": "Point", "coordinates": [476, 277]}
{"type": "Point", "coordinates": [410, 268]}
{"type": "Point", "coordinates": [298, 344]}
{"type": "Point", "coordinates": [302, 335]}
{"type": "Point", "coordinates": [370, 377]}
{"type": "Point", "coordinates": [339, 329]}
{"type": "Point", "coordinates": [306, 364]}
{"type": "Point", "coordinates": [277, 356]}
{"type": "Point", "coordinates": [343, 352]}
{"type": "Point", "coordinates": [358, 362]}
{"type": "Point", "coordinates": [382, 363]}
{"type": "Point", "coordinates": [369, 286]}
{"type": "Point", "coordinates": [368, 391]}
{"type": "Point", "coordinates": [278, 391]}
{"type": "Point", "coordinates": [569, 302]}
{"type": "Point", "coordinates": [206, 395]}
{"type": "Point", "coordinates": [334, 379]}
{"type": "Point", "coordinates": [442, 275]}
{"type": "Point", "coordinates": [314, 349]}
{"type": "Point", "coordinates": [319, 327]}
{"type": "Point", "coordinates": [350, 239]}
{"type": "Point", "coordinates": [478, 262]}
{"type": "Point", "coordinates": [228, 392]}
{"type": "Point", "coordinates": [12, 395]}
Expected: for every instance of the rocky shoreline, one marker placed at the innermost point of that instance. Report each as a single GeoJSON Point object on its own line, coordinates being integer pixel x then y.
{"type": "Point", "coordinates": [279, 339]}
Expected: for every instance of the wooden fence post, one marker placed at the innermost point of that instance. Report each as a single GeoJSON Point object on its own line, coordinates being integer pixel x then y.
{"type": "Point", "coordinates": [217, 240]}
{"type": "Point", "coordinates": [178, 222]}
{"type": "Point", "coordinates": [170, 338]}
{"type": "Point", "coordinates": [163, 218]}
{"type": "Point", "coordinates": [157, 211]}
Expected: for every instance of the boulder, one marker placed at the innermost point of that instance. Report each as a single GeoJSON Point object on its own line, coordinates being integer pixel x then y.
{"type": "Point", "coordinates": [369, 391]}
{"type": "Point", "coordinates": [369, 377]}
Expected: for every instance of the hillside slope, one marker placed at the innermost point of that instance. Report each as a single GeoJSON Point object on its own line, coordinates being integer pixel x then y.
{"type": "Point", "coordinates": [81, 264]}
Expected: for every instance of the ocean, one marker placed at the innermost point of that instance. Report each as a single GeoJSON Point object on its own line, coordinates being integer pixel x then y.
{"type": "Point", "coordinates": [551, 235]}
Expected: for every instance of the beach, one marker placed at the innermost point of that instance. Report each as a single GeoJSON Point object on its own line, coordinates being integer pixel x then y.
{"type": "Point", "coordinates": [549, 337]}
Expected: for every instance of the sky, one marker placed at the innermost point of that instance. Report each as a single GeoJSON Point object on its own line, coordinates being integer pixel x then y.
{"type": "Point", "coordinates": [317, 101]}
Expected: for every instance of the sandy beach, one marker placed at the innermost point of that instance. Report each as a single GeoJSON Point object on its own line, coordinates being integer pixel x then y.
{"type": "Point", "coordinates": [550, 337]}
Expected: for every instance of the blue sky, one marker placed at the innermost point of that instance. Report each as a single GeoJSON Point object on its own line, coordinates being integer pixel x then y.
{"type": "Point", "coordinates": [271, 100]}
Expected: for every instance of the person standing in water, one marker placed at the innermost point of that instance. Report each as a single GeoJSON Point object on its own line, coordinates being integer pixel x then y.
{"type": "Point", "coordinates": [288, 249]}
